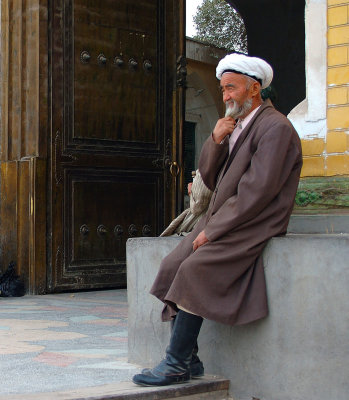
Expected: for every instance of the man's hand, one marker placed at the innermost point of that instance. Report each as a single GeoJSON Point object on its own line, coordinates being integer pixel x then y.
{"type": "Point", "coordinates": [224, 127]}
{"type": "Point", "coordinates": [200, 240]}
{"type": "Point", "coordinates": [190, 184]}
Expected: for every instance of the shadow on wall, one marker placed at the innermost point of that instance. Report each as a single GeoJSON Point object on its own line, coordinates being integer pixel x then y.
{"type": "Point", "coordinates": [276, 32]}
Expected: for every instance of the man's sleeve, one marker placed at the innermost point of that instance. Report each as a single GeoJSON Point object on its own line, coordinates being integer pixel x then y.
{"type": "Point", "coordinates": [275, 157]}
{"type": "Point", "coordinates": [211, 160]}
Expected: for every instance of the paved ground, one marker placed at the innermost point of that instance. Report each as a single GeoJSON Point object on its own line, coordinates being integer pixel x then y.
{"type": "Point", "coordinates": [63, 341]}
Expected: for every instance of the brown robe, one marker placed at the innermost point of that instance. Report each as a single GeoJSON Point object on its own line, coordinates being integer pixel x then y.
{"type": "Point", "coordinates": [254, 190]}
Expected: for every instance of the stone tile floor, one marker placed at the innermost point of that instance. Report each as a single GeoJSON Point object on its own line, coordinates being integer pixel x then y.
{"type": "Point", "coordinates": [63, 341]}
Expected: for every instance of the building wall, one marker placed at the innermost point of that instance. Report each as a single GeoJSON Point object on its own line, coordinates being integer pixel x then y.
{"type": "Point", "coordinates": [325, 138]}
{"type": "Point", "coordinates": [322, 119]}
{"type": "Point", "coordinates": [203, 98]}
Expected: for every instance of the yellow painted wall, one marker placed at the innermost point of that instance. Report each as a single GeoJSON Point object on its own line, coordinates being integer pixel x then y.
{"type": "Point", "coordinates": [337, 140]}
{"type": "Point", "coordinates": [330, 157]}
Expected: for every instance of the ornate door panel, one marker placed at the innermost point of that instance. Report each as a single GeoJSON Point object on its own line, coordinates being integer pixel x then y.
{"type": "Point", "coordinates": [114, 139]}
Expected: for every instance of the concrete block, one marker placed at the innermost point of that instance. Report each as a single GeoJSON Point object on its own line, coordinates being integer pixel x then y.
{"type": "Point", "coordinates": [337, 96]}
{"type": "Point", "coordinates": [300, 351]}
{"type": "Point", "coordinates": [336, 142]}
{"type": "Point", "coordinates": [147, 337]}
{"type": "Point", "coordinates": [338, 75]}
{"type": "Point", "coordinates": [337, 56]}
{"type": "Point", "coordinates": [338, 116]}
{"type": "Point", "coordinates": [338, 15]}
{"type": "Point", "coordinates": [337, 165]}
{"type": "Point", "coordinates": [321, 223]}
{"type": "Point", "coordinates": [313, 147]}
{"type": "Point", "coordinates": [338, 35]}
{"type": "Point", "coordinates": [313, 166]}
{"type": "Point", "coordinates": [335, 2]}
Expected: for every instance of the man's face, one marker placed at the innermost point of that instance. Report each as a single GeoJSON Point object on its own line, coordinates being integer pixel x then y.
{"type": "Point", "coordinates": [236, 94]}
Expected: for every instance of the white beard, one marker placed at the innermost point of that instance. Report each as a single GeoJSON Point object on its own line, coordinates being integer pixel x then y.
{"type": "Point", "coordinates": [235, 111]}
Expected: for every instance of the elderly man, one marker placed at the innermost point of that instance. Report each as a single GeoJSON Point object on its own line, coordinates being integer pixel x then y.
{"type": "Point", "coordinates": [252, 162]}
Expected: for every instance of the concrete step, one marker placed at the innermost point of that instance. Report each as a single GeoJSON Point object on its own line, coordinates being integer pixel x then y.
{"type": "Point", "coordinates": [206, 388]}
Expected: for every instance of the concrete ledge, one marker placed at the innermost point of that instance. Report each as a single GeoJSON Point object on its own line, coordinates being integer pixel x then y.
{"type": "Point", "coordinates": [299, 352]}
{"type": "Point", "coordinates": [323, 224]}
{"type": "Point", "coordinates": [210, 388]}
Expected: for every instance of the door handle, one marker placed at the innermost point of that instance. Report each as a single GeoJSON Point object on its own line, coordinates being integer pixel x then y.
{"type": "Point", "coordinates": [165, 163]}
{"type": "Point", "coordinates": [174, 168]}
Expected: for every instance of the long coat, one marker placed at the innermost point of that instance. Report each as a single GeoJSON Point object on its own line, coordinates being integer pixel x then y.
{"type": "Point", "coordinates": [254, 190]}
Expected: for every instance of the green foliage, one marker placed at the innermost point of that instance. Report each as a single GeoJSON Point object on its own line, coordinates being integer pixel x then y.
{"type": "Point", "coordinates": [219, 24]}
{"type": "Point", "coordinates": [322, 195]}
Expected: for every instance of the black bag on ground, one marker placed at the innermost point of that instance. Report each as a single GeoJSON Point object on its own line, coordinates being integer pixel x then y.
{"type": "Point", "coordinates": [10, 283]}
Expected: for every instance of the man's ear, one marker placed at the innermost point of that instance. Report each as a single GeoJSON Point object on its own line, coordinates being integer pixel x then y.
{"type": "Point", "coordinates": [255, 89]}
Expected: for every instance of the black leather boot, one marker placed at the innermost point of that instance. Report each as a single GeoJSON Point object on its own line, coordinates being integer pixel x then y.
{"type": "Point", "coordinates": [196, 367]}
{"type": "Point", "coordinates": [175, 367]}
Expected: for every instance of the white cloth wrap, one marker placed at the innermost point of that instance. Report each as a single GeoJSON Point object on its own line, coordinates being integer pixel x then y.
{"type": "Point", "coordinates": [252, 66]}
{"type": "Point", "coordinates": [200, 197]}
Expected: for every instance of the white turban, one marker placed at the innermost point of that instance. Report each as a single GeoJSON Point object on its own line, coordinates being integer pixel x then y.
{"type": "Point", "coordinates": [253, 67]}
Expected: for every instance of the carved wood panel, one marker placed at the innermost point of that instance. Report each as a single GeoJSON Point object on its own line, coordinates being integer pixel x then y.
{"type": "Point", "coordinates": [114, 71]}
{"type": "Point", "coordinates": [101, 226]}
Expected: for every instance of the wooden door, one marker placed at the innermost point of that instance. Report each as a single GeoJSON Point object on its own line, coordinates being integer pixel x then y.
{"type": "Point", "coordinates": [116, 116]}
